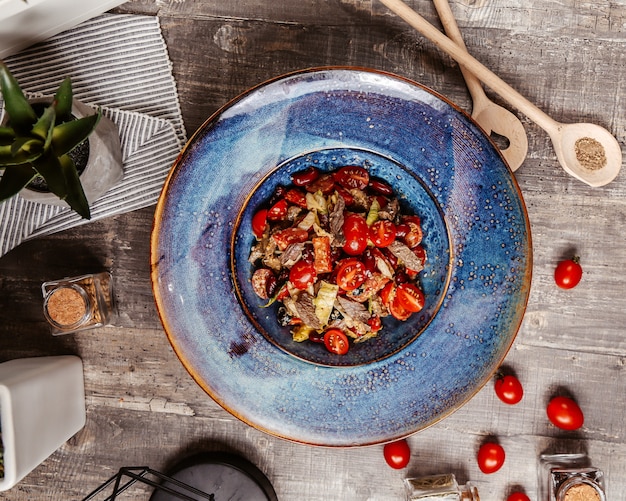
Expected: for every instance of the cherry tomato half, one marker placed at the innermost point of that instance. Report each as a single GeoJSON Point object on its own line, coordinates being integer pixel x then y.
{"type": "Point", "coordinates": [509, 389]}
{"type": "Point", "coordinates": [517, 496]}
{"type": "Point", "coordinates": [352, 176]}
{"type": "Point", "coordinates": [411, 298]}
{"type": "Point", "coordinates": [564, 413]}
{"type": "Point", "coordinates": [356, 232]}
{"type": "Point", "coordinates": [568, 273]}
{"type": "Point", "coordinates": [490, 457]}
{"type": "Point", "coordinates": [259, 221]}
{"type": "Point", "coordinates": [397, 454]}
{"type": "Point", "coordinates": [336, 341]}
{"type": "Point", "coordinates": [350, 274]}
{"type": "Point", "coordinates": [305, 176]}
{"type": "Point", "coordinates": [382, 233]}
{"type": "Point", "coordinates": [278, 210]}
{"type": "Point", "coordinates": [302, 274]}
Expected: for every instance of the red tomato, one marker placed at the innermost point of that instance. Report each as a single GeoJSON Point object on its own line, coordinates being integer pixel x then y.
{"type": "Point", "coordinates": [564, 413]}
{"type": "Point", "coordinates": [336, 341]}
{"type": "Point", "coordinates": [568, 273]}
{"type": "Point", "coordinates": [375, 323]}
{"type": "Point", "coordinates": [296, 197]}
{"type": "Point", "coordinates": [382, 233]}
{"type": "Point", "coordinates": [509, 389]}
{"type": "Point", "coordinates": [387, 294]}
{"type": "Point", "coordinates": [415, 234]}
{"type": "Point", "coordinates": [259, 221]}
{"type": "Point", "coordinates": [352, 177]}
{"type": "Point", "coordinates": [517, 496]}
{"type": "Point", "coordinates": [350, 274]}
{"type": "Point", "coordinates": [306, 176]}
{"type": "Point", "coordinates": [325, 184]}
{"type": "Point", "coordinates": [356, 232]}
{"type": "Point", "coordinates": [490, 457]}
{"type": "Point", "coordinates": [396, 309]}
{"type": "Point", "coordinates": [302, 274]}
{"type": "Point", "coordinates": [278, 210]}
{"type": "Point", "coordinates": [288, 236]}
{"type": "Point", "coordinates": [381, 187]}
{"type": "Point", "coordinates": [345, 194]}
{"type": "Point", "coordinates": [411, 298]}
{"type": "Point", "coordinates": [397, 454]}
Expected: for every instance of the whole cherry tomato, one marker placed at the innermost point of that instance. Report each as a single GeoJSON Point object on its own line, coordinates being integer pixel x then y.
{"type": "Point", "coordinates": [564, 413]}
{"type": "Point", "coordinates": [517, 496]}
{"type": "Point", "coordinates": [568, 273]}
{"type": "Point", "coordinates": [397, 454]}
{"type": "Point", "coordinates": [509, 389]}
{"type": "Point", "coordinates": [382, 233]}
{"type": "Point", "coordinates": [259, 220]}
{"type": "Point", "coordinates": [490, 457]}
{"type": "Point", "coordinates": [302, 274]}
{"type": "Point", "coordinates": [336, 341]}
{"type": "Point", "coordinates": [356, 232]}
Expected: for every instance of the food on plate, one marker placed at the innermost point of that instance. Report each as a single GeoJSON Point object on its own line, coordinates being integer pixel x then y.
{"type": "Point", "coordinates": [338, 253]}
{"type": "Point", "coordinates": [517, 496]}
{"type": "Point", "coordinates": [490, 457]}
{"type": "Point", "coordinates": [509, 389]}
{"type": "Point", "coordinates": [568, 273]}
{"type": "Point", "coordinates": [397, 454]}
{"type": "Point", "coordinates": [564, 413]}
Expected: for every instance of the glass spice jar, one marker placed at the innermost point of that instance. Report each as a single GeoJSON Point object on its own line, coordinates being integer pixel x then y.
{"type": "Point", "coordinates": [570, 477]}
{"type": "Point", "coordinates": [442, 487]}
{"type": "Point", "coordinates": [78, 303]}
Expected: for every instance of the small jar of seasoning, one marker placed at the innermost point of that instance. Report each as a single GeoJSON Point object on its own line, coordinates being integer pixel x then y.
{"type": "Point", "coordinates": [439, 488]}
{"type": "Point", "coordinates": [78, 303]}
{"type": "Point", "coordinates": [570, 477]}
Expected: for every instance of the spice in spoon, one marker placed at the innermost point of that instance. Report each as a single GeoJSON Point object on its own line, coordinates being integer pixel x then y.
{"type": "Point", "coordinates": [590, 153]}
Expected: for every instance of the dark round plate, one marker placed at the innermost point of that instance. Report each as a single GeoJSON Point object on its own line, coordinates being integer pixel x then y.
{"type": "Point", "coordinates": [414, 197]}
{"type": "Point", "coordinates": [455, 170]}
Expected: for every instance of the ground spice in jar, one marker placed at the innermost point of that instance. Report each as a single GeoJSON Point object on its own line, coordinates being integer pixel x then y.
{"type": "Point", "coordinates": [590, 153]}
{"type": "Point", "coordinates": [581, 492]}
{"type": "Point", "coordinates": [66, 306]}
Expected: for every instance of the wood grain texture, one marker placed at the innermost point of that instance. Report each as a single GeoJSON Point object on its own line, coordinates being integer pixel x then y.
{"type": "Point", "coordinates": [143, 408]}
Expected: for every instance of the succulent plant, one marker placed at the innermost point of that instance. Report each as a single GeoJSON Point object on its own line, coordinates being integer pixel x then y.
{"type": "Point", "coordinates": [36, 143]}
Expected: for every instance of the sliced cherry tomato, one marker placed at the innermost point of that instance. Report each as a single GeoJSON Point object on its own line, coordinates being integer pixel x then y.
{"type": "Point", "coordinates": [302, 274]}
{"type": "Point", "coordinates": [322, 255]}
{"type": "Point", "coordinates": [356, 232]}
{"type": "Point", "coordinates": [306, 176]}
{"type": "Point", "coordinates": [387, 294]}
{"type": "Point", "coordinates": [410, 297]}
{"type": "Point", "coordinates": [381, 187]}
{"type": "Point", "coordinates": [490, 457]}
{"type": "Point", "coordinates": [397, 454]}
{"type": "Point", "coordinates": [382, 233]}
{"type": "Point", "coordinates": [352, 176]}
{"type": "Point", "coordinates": [564, 413]}
{"type": "Point", "coordinates": [336, 341]}
{"type": "Point", "coordinates": [296, 197]}
{"type": "Point", "coordinates": [278, 211]}
{"type": "Point", "coordinates": [396, 309]}
{"type": "Point", "coordinates": [264, 283]}
{"type": "Point", "coordinates": [509, 389]}
{"type": "Point", "coordinates": [259, 222]}
{"type": "Point", "coordinates": [375, 323]}
{"type": "Point", "coordinates": [517, 496]}
{"type": "Point", "coordinates": [350, 274]}
{"type": "Point", "coordinates": [415, 234]}
{"type": "Point", "coordinates": [288, 236]}
{"type": "Point", "coordinates": [325, 183]}
{"type": "Point", "coordinates": [568, 273]}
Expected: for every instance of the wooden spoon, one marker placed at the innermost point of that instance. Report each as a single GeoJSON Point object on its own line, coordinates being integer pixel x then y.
{"type": "Point", "coordinates": [489, 115]}
{"type": "Point", "coordinates": [586, 151]}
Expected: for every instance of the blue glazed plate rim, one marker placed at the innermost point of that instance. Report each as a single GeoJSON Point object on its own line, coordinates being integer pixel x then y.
{"type": "Point", "coordinates": [379, 402]}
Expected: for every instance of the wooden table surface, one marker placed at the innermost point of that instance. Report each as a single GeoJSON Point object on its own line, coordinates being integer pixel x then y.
{"type": "Point", "coordinates": [143, 408]}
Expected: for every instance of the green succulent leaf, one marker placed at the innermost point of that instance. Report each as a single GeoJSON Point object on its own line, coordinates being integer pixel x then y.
{"type": "Point", "coordinates": [66, 136]}
{"type": "Point", "coordinates": [62, 179]}
{"type": "Point", "coordinates": [14, 179]}
{"type": "Point", "coordinates": [7, 135]}
{"type": "Point", "coordinates": [20, 153]}
{"type": "Point", "coordinates": [21, 113]}
{"type": "Point", "coordinates": [63, 99]}
{"type": "Point", "coordinates": [44, 126]}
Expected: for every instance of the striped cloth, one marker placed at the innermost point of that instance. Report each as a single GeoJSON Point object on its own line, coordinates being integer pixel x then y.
{"type": "Point", "coordinates": [120, 63]}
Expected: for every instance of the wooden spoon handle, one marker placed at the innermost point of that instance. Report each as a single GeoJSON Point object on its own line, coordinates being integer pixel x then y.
{"type": "Point", "coordinates": [461, 56]}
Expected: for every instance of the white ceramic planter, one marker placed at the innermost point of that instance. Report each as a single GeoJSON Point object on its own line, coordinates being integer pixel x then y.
{"type": "Point", "coordinates": [104, 168]}
{"type": "Point", "coordinates": [42, 404]}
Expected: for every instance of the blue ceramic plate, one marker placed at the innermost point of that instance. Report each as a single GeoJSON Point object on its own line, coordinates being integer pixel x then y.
{"type": "Point", "coordinates": [442, 165]}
